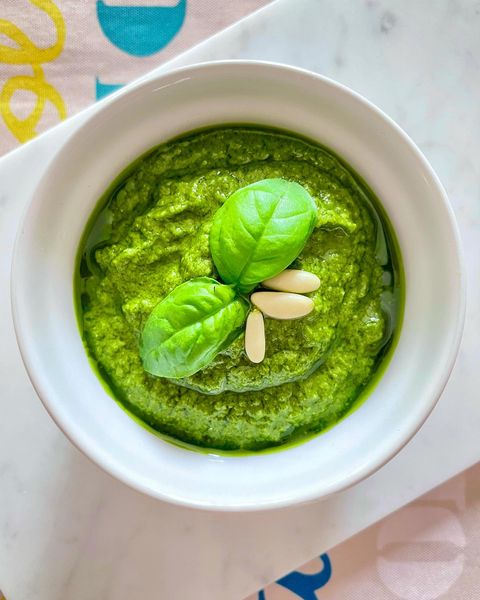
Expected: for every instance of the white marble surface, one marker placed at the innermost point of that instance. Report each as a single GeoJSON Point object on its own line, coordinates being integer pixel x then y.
{"type": "Point", "coordinates": [70, 532]}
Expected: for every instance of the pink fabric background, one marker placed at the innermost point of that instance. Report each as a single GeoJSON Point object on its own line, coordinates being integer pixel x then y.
{"type": "Point", "coordinates": [428, 550]}
{"type": "Point", "coordinates": [88, 54]}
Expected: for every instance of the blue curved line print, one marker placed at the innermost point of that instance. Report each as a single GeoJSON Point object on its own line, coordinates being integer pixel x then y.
{"type": "Point", "coordinates": [305, 585]}
{"type": "Point", "coordinates": [103, 89]}
{"type": "Point", "coordinates": [141, 30]}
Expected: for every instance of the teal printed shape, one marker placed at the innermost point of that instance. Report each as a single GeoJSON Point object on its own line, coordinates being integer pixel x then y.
{"type": "Point", "coordinates": [141, 30]}
{"type": "Point", "coordinates": [103, 89]}
{"type": "Point", "coordinates": [304, 585]}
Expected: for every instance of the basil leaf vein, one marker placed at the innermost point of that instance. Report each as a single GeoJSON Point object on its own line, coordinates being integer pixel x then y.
{"type": "Point", "coordinates": [260, 230]}
{"type": "Point", "coordinates": [190, 326]}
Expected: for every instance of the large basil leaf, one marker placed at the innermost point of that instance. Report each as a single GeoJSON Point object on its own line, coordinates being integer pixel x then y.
{"type": "Point", "coordinates": [260, 230]}
{"type": "Point", "coordinates": [190, 326]}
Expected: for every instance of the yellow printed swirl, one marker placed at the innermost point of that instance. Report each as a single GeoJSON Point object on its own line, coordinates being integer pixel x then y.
{"type": "Point", "coordinates": [27, 53]}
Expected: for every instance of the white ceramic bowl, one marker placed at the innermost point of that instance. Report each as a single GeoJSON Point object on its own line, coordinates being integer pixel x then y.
{"type": "Point", "coordinates": [218, 93]}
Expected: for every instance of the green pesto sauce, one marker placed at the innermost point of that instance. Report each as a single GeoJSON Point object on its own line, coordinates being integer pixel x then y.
{"type": "Point", "coordinates": [150, 233]}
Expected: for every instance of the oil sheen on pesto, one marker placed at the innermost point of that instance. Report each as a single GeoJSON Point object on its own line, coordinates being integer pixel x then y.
{"type": "Point", "coordinates": [151, 234]}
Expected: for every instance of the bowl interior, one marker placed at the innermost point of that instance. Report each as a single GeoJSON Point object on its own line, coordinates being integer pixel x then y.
{"type": "Point", "coordinates": [220, 93]}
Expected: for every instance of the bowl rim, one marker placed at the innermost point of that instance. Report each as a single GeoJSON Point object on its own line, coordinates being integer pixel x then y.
{"type": "Point", "coordinates": [100, 458]}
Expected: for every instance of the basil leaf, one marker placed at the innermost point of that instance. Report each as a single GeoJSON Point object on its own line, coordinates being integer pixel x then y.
{"type": "Point", "coordinates": [190, 326]}
{"type": "Point", "coordinates": [260, 230]}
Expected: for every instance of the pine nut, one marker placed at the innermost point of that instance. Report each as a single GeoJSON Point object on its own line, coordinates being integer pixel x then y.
{"type": "Point", "coordinates": [282, 305]}
{"type": "Point", "coordinates": [293, 280]}
{"type": "Point", "coordinates": [255, 337]}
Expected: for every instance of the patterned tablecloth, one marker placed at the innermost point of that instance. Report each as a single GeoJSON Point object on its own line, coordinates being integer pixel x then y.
{"type": "Point", "coordinates": [428, 550]}
{"type": "Point", "coordinates": [57, 57]}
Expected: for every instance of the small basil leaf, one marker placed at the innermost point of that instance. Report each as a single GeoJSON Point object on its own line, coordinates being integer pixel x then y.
{"type": "Point", "coordinates": [190, 326]}
{"type": "Point", "coordinates": [260, 230]}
